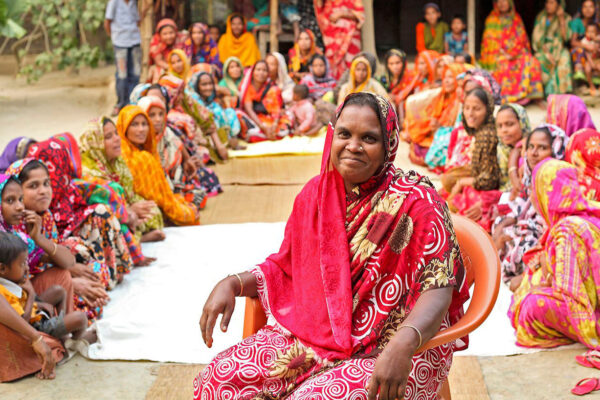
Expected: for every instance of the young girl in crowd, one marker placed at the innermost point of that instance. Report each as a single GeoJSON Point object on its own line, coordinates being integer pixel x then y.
{"type": "Point", "coordinates": [398, 80]}
{"type": "Point", "coordinates": [263, 117]}
{"type": "Point", "coordinates": [201, 48]}
{"type": "Point", "coordinates": [301, 54]}
{"type": "Point", "coordinates": [430, 33]}
{"type": "Point", "coordinates": [319, 80]}
{"type": "Point", "coordinates": [45, 311]}
{"type": "Point", "coordinates": [360, 80]}
{"type": "Point", "coordinates": [519, 226]}
{"type": "Point", "coordinates": [512, 125]}
{"type": "Point", "coordinates": [166, 39]}
{"type": "Point", "coordinates": [473, 186]}
{"type": "Point", "coordinates": [179, 64]}
{"type": "Point", "coordinates": [456, 41]}
{"type": "Point", "coordinates": [229, 86]}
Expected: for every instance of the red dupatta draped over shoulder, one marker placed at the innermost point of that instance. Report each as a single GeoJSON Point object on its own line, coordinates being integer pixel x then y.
{"type": "Point", "coordinates": [352, 266]}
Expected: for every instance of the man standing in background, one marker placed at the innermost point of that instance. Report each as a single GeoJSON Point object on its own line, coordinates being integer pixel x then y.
{"type": "Point", "coordinates": [122, 26]}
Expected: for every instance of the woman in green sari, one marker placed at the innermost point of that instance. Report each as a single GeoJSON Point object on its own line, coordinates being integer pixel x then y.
{"type": "Point", "coordinates": [550, 35]}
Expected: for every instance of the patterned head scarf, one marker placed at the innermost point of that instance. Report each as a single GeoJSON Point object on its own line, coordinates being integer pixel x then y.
{"type": "Point", "coordinates": [194, 86]}
{"type": "Point", "coordinates": [484, 79]}
{"type": "Point", "coordinates": [174, 87]}
{"type": "Point", "coordinates": [522, 117]}
{"type": "Point", "coordinates": [147, 102]}
{"type": "Point", "coordinates": [558, 146]}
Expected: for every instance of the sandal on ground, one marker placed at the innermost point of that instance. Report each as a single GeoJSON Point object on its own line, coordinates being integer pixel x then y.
{"type": "Point", "coordinates": [590, 359]}
{"type": "Point", "coordinates": [585, 386]}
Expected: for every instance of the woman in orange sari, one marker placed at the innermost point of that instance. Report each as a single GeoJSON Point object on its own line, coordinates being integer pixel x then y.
{"type": "Point", "coordinates": [300, 55]}
{"type": "Point", "coordinates": [263, 117]}
{"type": "Point", "coordinates": [138, 143]}
{"type": "Point", "coordinates": [237, 42]}
{"type": "Point", "coordinates": [340, 22]}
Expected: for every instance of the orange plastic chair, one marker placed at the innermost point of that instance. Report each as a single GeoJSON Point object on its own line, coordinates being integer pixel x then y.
{"type": "Point", "coordinates": [483, 271]}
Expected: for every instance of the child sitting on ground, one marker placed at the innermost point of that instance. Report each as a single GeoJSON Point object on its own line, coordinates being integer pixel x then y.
{"type": "Point", "coordinates": [592, 58]}
{"type": "Point", "coordinates": [456, 41]}
{"type": "Point", "coordinates": [46, 311]}
{"type": "Point", "coordinates": [430, 33]}
{"type": "Point", "coordinates": [303, 114]}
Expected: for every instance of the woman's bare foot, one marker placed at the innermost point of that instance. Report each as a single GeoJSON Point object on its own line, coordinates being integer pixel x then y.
{"type": "Point", "coordinates": [90, 336]}
{"type": "Point", "coordinates": [146, 261]}
{"type": "Point", "coordinates": [219, 147]}
{"type": "Point", "coordinates": [234, 144]}
{"type": "Point", "coordinates": [153, 236]}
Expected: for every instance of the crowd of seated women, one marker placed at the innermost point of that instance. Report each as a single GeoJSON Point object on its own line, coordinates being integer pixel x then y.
{"type": "Point", "coordinates": [96, 197]}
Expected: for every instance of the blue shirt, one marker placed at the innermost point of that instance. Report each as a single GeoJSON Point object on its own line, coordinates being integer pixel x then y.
{"type": "Point", "coordinates": [124, 18]}
{"type": "Point", "coordinates": [456, 46]}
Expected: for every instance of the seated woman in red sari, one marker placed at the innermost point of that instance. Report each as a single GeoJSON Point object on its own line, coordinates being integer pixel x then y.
{"type": "Point", "coordinates": [506, 53]}
{"type": "Point", "coordinates": [351, 292]}
{"type": "Point", "coordinates": [262, 117]}
{"type": "Point", "coordinates": [556, 303]}
{"type": "Point", "coordinates": [165, 40]}
{"type": "Point", "coordinates": [397, 79]}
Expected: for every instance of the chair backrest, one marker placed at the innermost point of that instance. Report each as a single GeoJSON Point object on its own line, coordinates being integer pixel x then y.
{"type": "Point", "coordinates": [483, 271]}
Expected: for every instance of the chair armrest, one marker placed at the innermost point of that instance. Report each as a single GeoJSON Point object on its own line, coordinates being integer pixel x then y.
{"type": "Point", "coordinates": [254, 317]}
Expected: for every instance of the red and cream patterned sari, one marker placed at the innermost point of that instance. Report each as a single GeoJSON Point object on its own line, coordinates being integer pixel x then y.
{"type": "Point", "coordinates": [350, 269]}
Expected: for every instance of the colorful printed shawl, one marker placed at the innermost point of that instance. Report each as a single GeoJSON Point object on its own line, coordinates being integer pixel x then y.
{"type": "Point", "coordinates": [228, 81]}
{"type": "Point", "coordinates": [15, 150]}
{"type": "Point", "coordinates": [34, 253]}
{"type": "Point", "coordinates": [97, 168]}
{"type": "Point", "coordinates": [583, 151]}
{"type": "Point", "coordinates": [243, 47]}
{"type": "Point", "coordinates": [158, 47]}
{"type": "Point", "coordinates": [208, 52]}
{"type": "Point", "coordinates": [299, 63]}
{"type": "Point", "coordinates": [566, 311]}
{"type": "Point", "coordinates": [342, 38]}
{"type": "Point", "coordinates": [149, 180]}
{"type": "Point", "coordinates": [319, 86]}
{"type": "Point", "coordinates": [506, 52]}
{"type": "Point", "coordinates": [381, 250]}
{"type": "Point", "coordinates": [444, 108]}
{"type": "Point", "coordinates": [568, 112]}
{"type": "Point", "coordinates": [186, 64]}
{"type": "Point", "coordinates": [552, 53]}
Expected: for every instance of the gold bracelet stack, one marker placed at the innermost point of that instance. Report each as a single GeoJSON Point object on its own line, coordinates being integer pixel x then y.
{"type": "Point", "coordinates": [241, 284]}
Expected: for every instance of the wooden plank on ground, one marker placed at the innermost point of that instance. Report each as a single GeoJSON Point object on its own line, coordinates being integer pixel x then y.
{"type": "Point", "coordinates": [174, 381]}
{"type": "Point", "coordinates": [239, 204]}
{"type": "Point", "coordinates": [280, 170]}
{"type": "Point", "coordinates": [466, 379]}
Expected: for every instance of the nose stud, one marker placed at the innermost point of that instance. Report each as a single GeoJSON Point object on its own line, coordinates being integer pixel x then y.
{"type": "Point", "coordinates": [360, 148]}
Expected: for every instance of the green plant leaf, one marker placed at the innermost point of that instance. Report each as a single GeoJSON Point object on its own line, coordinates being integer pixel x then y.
{"type": "Point", "coordinates": [12, 29]}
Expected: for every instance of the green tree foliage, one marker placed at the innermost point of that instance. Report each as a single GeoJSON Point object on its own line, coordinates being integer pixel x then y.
{"type": "Point", "coordinates": [63, 27]}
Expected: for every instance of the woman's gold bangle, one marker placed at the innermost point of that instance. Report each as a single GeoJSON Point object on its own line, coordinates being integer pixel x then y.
{"type": "Point", "coordinates": [36, 341]}
{"type": "Point", "coordinates": [416, 330]}
{"type": "Point", "coordinates": [55, 248]}
{"type": "Point", "coordinates": [241, 284]}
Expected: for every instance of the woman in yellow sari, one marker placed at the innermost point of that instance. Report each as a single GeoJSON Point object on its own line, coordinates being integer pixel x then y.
{"type": "Point", "coordinates": [557, 301]}
{"type": "Point", "coordinates": [179, 64]}
{"type": "Point", "coordinates": [360, 80]}
{"type": "Point", "coordinates": [237, 42]}
{"type": "Point", "coordinates": [138, 143]}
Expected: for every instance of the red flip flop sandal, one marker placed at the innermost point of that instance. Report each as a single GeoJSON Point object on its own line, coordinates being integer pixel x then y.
{"type": "Point", "coordinates": [585, 386]}
{"type": "Point", "coordinates": [590, 359]}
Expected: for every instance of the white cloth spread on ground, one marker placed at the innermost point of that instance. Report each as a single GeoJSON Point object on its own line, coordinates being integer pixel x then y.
{"type": "Point", "coordinates": [297, 145]}
{"type": "Point", "coordinates": [154, 314]}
